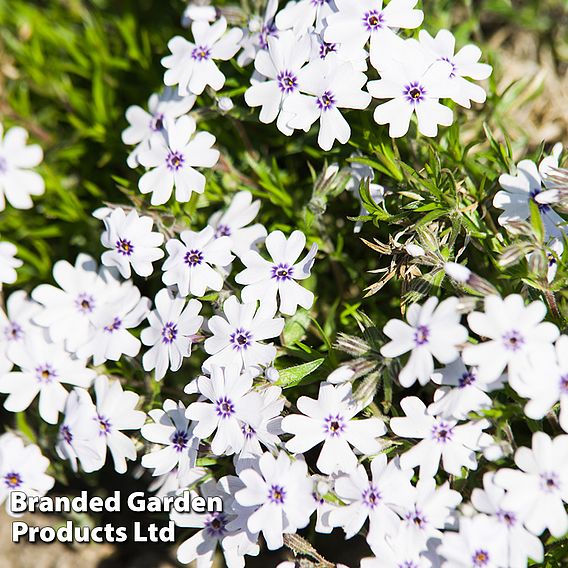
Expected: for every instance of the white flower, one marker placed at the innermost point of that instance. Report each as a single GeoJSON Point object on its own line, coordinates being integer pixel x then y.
{"type": "Point", "coordinates": [173, 328]}
{"type": "Point", "coordinates": [281, 489]}
{"type": "Point", "coordinates": [172, 158]}
{"type": "Point", "coordinates": [547, 384]}
{"type": "Point", "coordinates": [110, 338]}
{"type": "Point", "coordinates": [517, 336]}
{"type": "Point", "coordinates": [376, 499]}
{"type": "Point", "coordinates": [217, 528]}
{"type": "Point", "coordinates": [519, 190]}
{"type": "Point", "coordinates": [195, 12]}
{"type": "Point", "coordinates": [343, 52]}
{"type": "Point", "coordinates": [469, 394]}
{"type": "Point", "coordinates": [231, 404]}
{"type": "Point", "coordinates": [235, 221]}
{"type": "Point", "coordinates": [327, 85]}
{"type": "Point", "coordinates": [329, 419]}
{"type": "Point", "coordinates": [22, 468]}
{"type": "Point", "coordinates": [537, 490]}
{"type": "Point", "coordinates": [302, 15]}
{"type": "Point", "coordinates": [465, 63]}
{"type": "Point", "coordinates": [265, 280]}
{"type": "Point", "coordinates": [521, 544]}
{"type": "Point", "coordinates": [359, 21]}
{"type": "Point", "coordinates": [78, 432]}
{"type": "Point", "coordinates": [237, 336]}
{"type": "Point", "coordinates": [258, 31]}
{"type": "Point", "coordinates": [132, 243]}
{"type": "Point", "coordinates": [280, 64]}
{"type": "Point", "coordinates": [116, 412]}
{"type": "Point", "coordinates": [17, 181]}
{"type": "Point", "coordinates": [476, 545]}
{"type": "Point", "coordinates": [191, 66]}
{"type": "Point", "coordinates": [414, 85]}
{"type": "Point", "coordinates": [441, 438]}
{"type": "Point", "coordinates": [145, 125]}
{"type": "Point", "coordinates": [432, 331]}
{"type": "Point", "coordinates": [8, 263]}
{"type": "Point", "coordinates": [175, 436]}
{"type": "Point", "coordinates": [189, 265]}
{"type": "Point", "coordinates": [16, 325]}
{"type": "Point", "coordinates": [44, 366]}
{"type": "Point", "coordinates": [69, 310]}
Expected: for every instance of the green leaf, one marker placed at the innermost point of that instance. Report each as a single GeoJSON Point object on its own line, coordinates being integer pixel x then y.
{"type": "Point", "coordinates": [292, 376]}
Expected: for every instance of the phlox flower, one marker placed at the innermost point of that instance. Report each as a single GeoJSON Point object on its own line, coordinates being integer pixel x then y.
{"type": "Point", "coordinates": [377, 499]}
{"type": "Point", "coordinates": [143, 125]}
{"type": "Point", "coordinates": [173, 328]}
{"type": "Point", "coordinates": [18, 182]}
{"type": "Point", "coordinates": [235, 223]}
{"type": "Point", "coordinates": [280, 64]}
{"type": "Point", "coordinates": [22, 468]}
{"type": "Point", "coordinates": [326, 86]}
{"type": "Point", "coordinates": [230, 403]}
{"type": "Point", "coordinates": [342, 52]}
{"type": "Point", "coordinates": [237, 337]}
{"type": "Point", "coordinates": [44, 367]}
{"type": "Point", "coordinates": [414, 85]}
{"type": "Point", "coordinates": [191, 261]}
{"type": "Point", "coordinates": [78, 432]}
{"type": "Point", "coordinates": [266, 280]}
{"type": "Point", "coordinates": [116, 412]}
{"type": "Point", "coordinates": [191, 65]}
{"type": "Point", "coordinates": [329, 419]}
{"type": "Point", "coordinates": [8, 263]}
{"type": "Point", "coordinates": [259, 29]}
{"type": "Point", "coordinates": [195, 12]}
{"type": "Point", "coordinates": [464, 63]}
{"type": "Point", "coordinates": [178, 445]}
{"type": "Point", "coordinates": [172, 158]}
{"type": "Point", "coordinates": [132, 243]}
{"type": "Point", "coordinates": [520, 543]}
{"type": "Point", "coordinates": [537, 490]}
{"type": "Point", "coordinates": [440, 439]}
{"type": "Point", "coordinates": [516, 336]}
{"type": "Point", "coordinates": [433, 330]}
{"type": "Point", "coordinates": [301, 15]}
{"type": "Point", "coordinates": [281, 491]}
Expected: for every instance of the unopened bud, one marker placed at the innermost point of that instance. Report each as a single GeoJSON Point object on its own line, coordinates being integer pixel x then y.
{"type": "Point", "coordinates": [225, 104]}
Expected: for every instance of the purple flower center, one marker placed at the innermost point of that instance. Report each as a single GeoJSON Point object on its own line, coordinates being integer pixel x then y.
{"type": "Point", "coordinates": [542, 207]}
{"type": "Point", "coordinates": [326, 48]}
{"type": "Point", "coordinates": [507, 517]}
{"type": "Point", "coordinates": [408, 564]}
{"type": "Point", "coordinates": [180, 440]}
{"type": "Point", "coordinates": [105, 425]}
{"type": "Point", "coordinates": [13, 480]}
{"type": "Point", "coordinates": [157, 122]}
{"type": "Point", "coordinates": [66, 434]}
{"type": "Point", "coordinates": [442, 432]}
{"type": "Point", "coordinates": [453, 68]}
{"type": "Point", "coordinates": [248, 431]}
{"type": "Point", "coordinates": [417, 518]}
{"type": "Point", "coordinates": [45, 373]}
{"type": "Point", "coordinates": [480, 558]}
{"type": "Point", "coordinates": [115, 325]}
{"type": "Point", "coordinates": [549, 481]}
{"type": "Point", "coordinates": [564, 384]}
{"type": "Point", "coordinates": [421, 335]}
{"type": "Point", "coordinates": [277, 494]}
{"type": "Point", "coordinates": [124, 247]}
{"type": "Point", "coordinates": [13, 331]}
{"type": "Point", "coordinates": [215, 525]}
{"type": "Point", "coordinates": [85, 303]}
{"type": "Point", "coordinates": [371, 496]}
{"type": "Point", "coordinates": [373, 20]}
{"type": "Point", "coordinates": [334, 426]}
{"type": "Point", "coordinates": [169, 332]}
{"type": "Point", "coordinates": [200, 53]}
{"type": "Point", "coordinates": [326, 101]}
{"type": "Point", "coordinates": [241, 339]}
{"type": "Point", "coordinates": [282, 272]}
{"type": "Point", "coordinates": [267, 31]}
{"type": "Point", "coordinates": [287, 81]}
{"type": "Point", "coordinates": [318, 3]}
{"type": "Point", "coordinates": [466, 380]}
{"type": "Point", "coordinates": [224, 407]}
{"type": "Point", "coordinates": [193, 257]}
{"type": "Point", "coordinates": [222, 231]}
{"type": "Point", "coordinates": [175, 161]}
{"type": "Point", "coordinates": [513, 340]}
{"type": "Point", "coordinates": [414, 92]}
